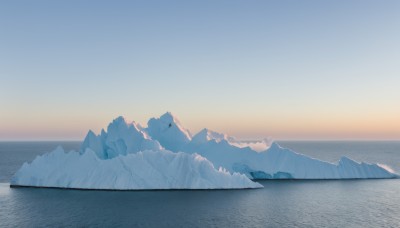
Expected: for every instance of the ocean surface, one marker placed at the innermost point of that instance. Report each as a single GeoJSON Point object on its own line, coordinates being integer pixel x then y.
{"type": "Point", "coordinates": [281, 203]}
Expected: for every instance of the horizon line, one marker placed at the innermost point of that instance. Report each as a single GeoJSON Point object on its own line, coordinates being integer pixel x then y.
{"type": "Point", "coordinates": [273, 140]}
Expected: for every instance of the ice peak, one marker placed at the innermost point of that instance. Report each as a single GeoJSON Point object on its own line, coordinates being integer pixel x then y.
{"type": "Point", "coordinates": [117, 123]}
{"type": "Point", "coordinates": [346, 161]}
{"type": "Point", "coordinates": [121, 124]}
{"type": "Point", "coordinates": [208, 135]}
{"type": "Point", "coordinates": [168, 116]}
{"type": "Point", "coordinates": [91, 133]}
{"type": "Point", "coordinates": [204, 132]}
{"type": "Point", "coordinates": [168, 131]}
{"type": "Point", "coordinates": [120, 120]}
{"type": "Point", "coordinates": [121, 138]}
{"type": "Point", "coordinates": [201, 136]}
{"type": "Point", "coordinates": [274, 147]}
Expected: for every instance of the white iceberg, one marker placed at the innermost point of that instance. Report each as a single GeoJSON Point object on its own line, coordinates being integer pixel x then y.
{"type": "Point", "coordinates": [126, 158]}
{"type": "Point", "coordinates": [165, 155]}
{"type": "Point", "coordinates": [272, 163]}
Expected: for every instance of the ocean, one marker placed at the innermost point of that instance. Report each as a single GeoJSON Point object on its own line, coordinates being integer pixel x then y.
{"type": "Point", "coordinates": [281, 203]}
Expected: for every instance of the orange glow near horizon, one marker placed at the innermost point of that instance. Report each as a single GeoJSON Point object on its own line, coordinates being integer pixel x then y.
{"type": "Point", "coordinates": [291, 128]}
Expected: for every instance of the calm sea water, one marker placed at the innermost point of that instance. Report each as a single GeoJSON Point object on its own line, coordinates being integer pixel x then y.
{"type": "Point", "coordinates": [284, 203]}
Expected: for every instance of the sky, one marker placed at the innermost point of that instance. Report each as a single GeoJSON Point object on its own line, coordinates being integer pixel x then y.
{"type": "Point", "coordinates": [297, 70]}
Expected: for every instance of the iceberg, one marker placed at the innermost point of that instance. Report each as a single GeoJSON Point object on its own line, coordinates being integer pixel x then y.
{"type": "Point", "coordinates": [165, 155]}
{"type": "Point", "coordinates": [126, 158]}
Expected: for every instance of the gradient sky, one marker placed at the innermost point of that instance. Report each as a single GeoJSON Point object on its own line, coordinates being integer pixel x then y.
{"type": "Point", "coordinates": [285, 69]}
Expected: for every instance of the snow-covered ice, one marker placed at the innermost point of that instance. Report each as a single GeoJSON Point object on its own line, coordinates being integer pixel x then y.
{"type": "Point", "coordinates": [165, 155]}
{"type": "Point", "coordinates": [142, 170]}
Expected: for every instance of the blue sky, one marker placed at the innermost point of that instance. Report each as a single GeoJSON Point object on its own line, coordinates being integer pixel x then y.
{"type": "Point", "coordinates": [286, 69]}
